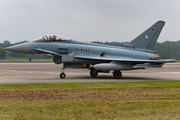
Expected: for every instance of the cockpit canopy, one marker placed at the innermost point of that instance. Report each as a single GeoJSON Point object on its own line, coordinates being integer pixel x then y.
{"type": "Point", "coordinates": [51, 38]}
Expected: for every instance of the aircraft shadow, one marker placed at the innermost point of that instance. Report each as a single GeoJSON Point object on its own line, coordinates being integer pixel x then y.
{"type": "Point", "coordinates": [111, 78]}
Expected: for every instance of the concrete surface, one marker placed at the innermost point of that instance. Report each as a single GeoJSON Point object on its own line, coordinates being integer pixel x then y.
{"type": "Point", "coordinates": [17, 73]}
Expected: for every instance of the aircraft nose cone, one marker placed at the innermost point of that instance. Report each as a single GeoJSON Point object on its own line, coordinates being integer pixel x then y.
{"type": "Point", "coordinates": [21, 48]}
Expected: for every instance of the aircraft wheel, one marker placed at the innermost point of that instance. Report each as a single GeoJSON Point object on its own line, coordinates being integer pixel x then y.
{"type": "Point", "coordinates": [62, 75]}
{"type": "Point", "coordinates": [93, 73]}
{"type": "Point", "coordinates": [117, 74]}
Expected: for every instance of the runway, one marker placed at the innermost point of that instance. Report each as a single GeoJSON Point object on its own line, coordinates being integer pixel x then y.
{"type": "Point", "coordinates": [24, 73]}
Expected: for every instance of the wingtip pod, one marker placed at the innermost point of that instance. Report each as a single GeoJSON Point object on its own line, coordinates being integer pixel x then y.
{"type": "Point", "coordinates": [160, 22]}
{"type": "Point", "coordinates": [166, 61]}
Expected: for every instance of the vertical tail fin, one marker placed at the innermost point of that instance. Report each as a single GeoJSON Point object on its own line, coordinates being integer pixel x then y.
{"type": "Point", "coordinates": [148, 38]}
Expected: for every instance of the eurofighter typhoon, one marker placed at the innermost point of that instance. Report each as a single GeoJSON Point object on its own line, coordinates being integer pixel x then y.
{"type": "Point", "coordinates": [138, 54]}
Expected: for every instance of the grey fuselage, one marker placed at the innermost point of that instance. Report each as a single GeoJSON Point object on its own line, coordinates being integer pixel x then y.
{"type": "Point", "coordinates": [69, 49]}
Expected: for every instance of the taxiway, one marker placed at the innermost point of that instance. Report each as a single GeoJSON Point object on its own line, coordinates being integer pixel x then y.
{"type": "Point", "coordinates": [23, 73]}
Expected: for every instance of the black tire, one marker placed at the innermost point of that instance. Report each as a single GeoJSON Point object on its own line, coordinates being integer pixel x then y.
{"type": "Point", "coordinates": [93, 73]}
{"type": "Point", "coordinates": [62, 75]}
{"type": "Point", "coordinates": [117, 74]}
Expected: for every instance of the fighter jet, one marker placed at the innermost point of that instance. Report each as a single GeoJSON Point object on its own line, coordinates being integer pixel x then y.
{"type": "Point", "coordinates": [138, 54]}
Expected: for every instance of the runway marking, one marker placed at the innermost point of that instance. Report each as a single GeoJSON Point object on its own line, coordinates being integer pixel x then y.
{"type": "Point", "coordinates": [4, 76]}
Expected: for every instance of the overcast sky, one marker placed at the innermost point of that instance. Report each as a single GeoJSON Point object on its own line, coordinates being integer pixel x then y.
{"type": "Point", "coordinates": [87, 20]}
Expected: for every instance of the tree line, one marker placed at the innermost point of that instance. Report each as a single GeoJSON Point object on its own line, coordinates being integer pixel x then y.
{"type": "Point", "coordinates": [166, 50]}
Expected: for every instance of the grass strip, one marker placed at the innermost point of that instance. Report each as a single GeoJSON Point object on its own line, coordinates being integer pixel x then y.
{"type": "Point", "coordinates": [122, 100]}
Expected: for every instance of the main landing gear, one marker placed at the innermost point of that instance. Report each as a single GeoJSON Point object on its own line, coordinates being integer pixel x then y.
{"type": "Point", "coordinates": [93, 72]}
{"type": "Point", "coordinates": [116, 74]}
{"type": "Point", "coordinates": [62, 75]}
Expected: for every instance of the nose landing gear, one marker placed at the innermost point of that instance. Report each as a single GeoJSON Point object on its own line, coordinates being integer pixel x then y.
{"type": "Point", "coordinates": [62, 75]}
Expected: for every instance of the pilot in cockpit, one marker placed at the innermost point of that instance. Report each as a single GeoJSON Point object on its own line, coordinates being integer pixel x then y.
{"type": "Point", "coordinates": [51, 38]}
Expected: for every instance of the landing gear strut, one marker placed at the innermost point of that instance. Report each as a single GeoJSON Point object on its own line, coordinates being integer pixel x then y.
{"type": "Point", "coordinates": [93, 72]}
{"type": "Point", "coordinates": [62, 75]}
{"type": "Point", "coordinates": [117, 74]}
